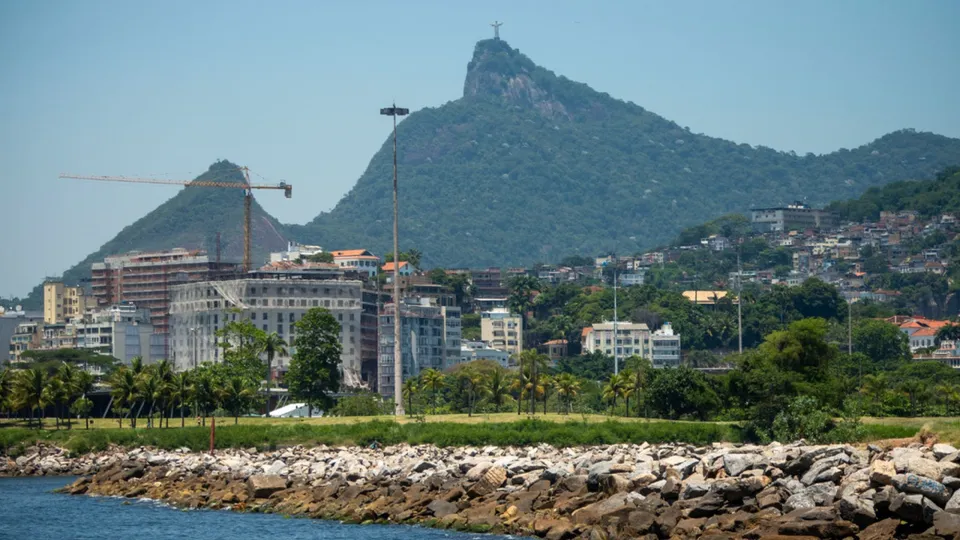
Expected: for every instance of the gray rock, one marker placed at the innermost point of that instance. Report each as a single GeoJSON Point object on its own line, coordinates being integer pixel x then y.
{"type": "Point", "coordinates": [734, 464]}
{"type": "Point", "coordinates": [931, 489]}
{"type": "Point", "coordinates": [951, 482]}
{"type": "Point", "coordinates": [818, 468]}
{"type": "Point", "coordinates": [913, 508]}
{"type": "Point", "coordinates": [798, 501]}
{"type": "Point", "coordinates": [441, 508]}
{"type": "Point", "coordinates": [822, 494]}
{"type": "Point", "coordinates": [919, 466]}
{"type": "Point", "coordinates": [694, 487]}
{"type": "Point", "coordinates": [706, 506]}
{"type": "Point", "coordinates": [942, 450]}
{"type": "Point", "coordinates": [882, 472]}
{"type": "Point", "coordinates": [946, 525]}
{"type": "Point", "coordinates": [857, 510]}
{"type": "Point", "coordinates": [553, 474]}
{"type": "Point", "coordinates": [275, 468]}
{"type": "Point", "coordinates": [954, 503]}
{"type": "Point", "coordinates": [262, 486]}
{"type": "Point", "coordinates": [808, 458]}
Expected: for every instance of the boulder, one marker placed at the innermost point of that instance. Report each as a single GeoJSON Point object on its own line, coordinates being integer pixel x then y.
{"type": "Point", "coordinates": [931, 489]}
{"type": "Point", "coordinates": [440, 508]}
{"type": "Point", "coordinates": [857, 510]}
{"type": "Point", "coordinates": [819, 529]}
{"type": "Point", "coordinates": [694, 486]}
{"type": "Point", "coordinates": [491, 481]}
{"type": "Point", "coordinates": [797, 501]}
{"type": "Point", "coordinates": [913, 508]}
{"type": "Point", "coordinates": [621, 503]}
{"type": "Point", "coordinates": [706, 506]}
{"type": "Point", "coordinates": [920, 466]}
{"type": "Point", "coordinates": [946, 524]}
{"type": "Point", "coordinates": [274, 468]}
{"type": "Point", "coordinates": [261, 486]}
{"type": "Point", "coordinates": [422, 466]}
{"type": "Point", "coordinates": [953, 504]}
{"type": "Point", "coordinates": [823, 494]}
{"type": "Point", "coordinates": [826, 468]}
{"type": "Point", "coordinates": [882, 472]}
{"type": "Point", "coordinates": [476, 472]}
{"type": "Point", "coordinates": [734, 464]}
{"type": "Point", "coordinates": [942, 450]}
{"type": "Point", "coordinates": [881, 530]}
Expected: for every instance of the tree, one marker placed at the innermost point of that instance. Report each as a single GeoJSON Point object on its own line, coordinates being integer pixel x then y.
{"type": "Point", "coordinates": [67, 375]}
{"type": "Point", "coordinates": [204, 392]}
{"type": "Point", "coordinates": [272, 344]}
{"type": "Point", "coordinates": [125, 391]}
{"type": "Point", "coordinates": [413, 257]}
{"type": "Point", "coordinates": [55, 393]}
{"type": "Point", "coordinates": [163, 372]}
{"type": "Point", "coordinates": [679, 392]}
{"type": "Point", "coordinates": [82, 407]}
{"type": "Point", "coordinates": [237, 395]}
{"type": "Point", "coordinates": [640, 369]}
{"type": "Point", "coordinates": [476, 385]}
{"type": "Point", "coordinates": [913, 389]}
{"type": "Point", "coordinates": [546, 385]}
{"type": "Point", "coordinates": [322, 257]}
{"type": "Point", "coordinates": [150, 388]}
{"type": "Point", "coordinates": [567, 388]}
{"type": "Point", "coordinates": [315, 368]}
{"type": "Point", "coordinates": [410, 388]}
{"type": "Point", "coordinates": [614, 389]}
{"type": "Point", "coordinates": [884, 343]}
{"type": "Point", "coordinates": [433, 380]}
{"type": "Point", "coordinates": [535, 363]}
{"type": "Point", "coordinates": [876, 386]}
{"type": "Point", "coordinates": [242, 343]}
{"type": "Point", "coordinates": [948, 332]}
{"type": "Point", "coordinates": [180, 392]}
{"type": "Point", "coordinates": [498, 386]}
{"type": "Point", "coordinates": [6, 388]}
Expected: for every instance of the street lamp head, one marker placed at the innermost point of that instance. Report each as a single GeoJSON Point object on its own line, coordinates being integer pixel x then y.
{"type": "Point", "coordinates": [394, 111]}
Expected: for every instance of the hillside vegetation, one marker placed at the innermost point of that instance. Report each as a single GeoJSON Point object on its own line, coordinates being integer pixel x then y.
{"type": "Point", "coordinates": [190, 219]}
{"type": "Point", "coordinates": [930, 198]}
{"type": "Point", "coordinates": [529, 166]}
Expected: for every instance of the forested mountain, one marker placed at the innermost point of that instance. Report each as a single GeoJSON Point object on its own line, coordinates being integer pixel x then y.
{"type": "Point", "coordinates": [931, 198]}
{"type": "Point", "coordinates": [530, 166]}
{"type": "Point", "coordinates": [191, 219]}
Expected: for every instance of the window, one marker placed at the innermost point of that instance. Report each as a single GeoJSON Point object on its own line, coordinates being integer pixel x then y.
{"type": "Point", "coordinates": [264, 315]}
{"type": "Point", "coordinates": [280, 329]}
{"type": "Point", "coordinates": [264, 328]}
{"type": "Point", "coordinates": [351, 316]}
{"type": "Point", "coordinates": [253, 315]}
{"type": "Point", "coordinates": [340, 316]}
{"type": "Point", "coordinates": [280, 316]}
{"type": "Point", "coordinates": [292, 317]}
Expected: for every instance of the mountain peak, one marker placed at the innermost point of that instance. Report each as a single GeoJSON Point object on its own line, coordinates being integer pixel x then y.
{"type": "Point", "coordinates": [499, 71]}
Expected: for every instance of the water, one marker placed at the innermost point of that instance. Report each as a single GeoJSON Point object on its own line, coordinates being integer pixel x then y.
{"type": "Point", "coordinates": [30, 511]}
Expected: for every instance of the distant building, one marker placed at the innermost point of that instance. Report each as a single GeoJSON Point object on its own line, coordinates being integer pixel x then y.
{"type": "Point", "coordinates": [706, 298]}
{"type": "Point", "coordinates": [794, 216]}
{"type": "Point", "coordinates": [360, 260]}
{"type": "Point", "coordinates": [666, 347]}
{"type": "Point", "coordinates": [489, 282]}
{"type": "Point", "coordinates": [502, 330]}
{"type": "Point", "coordinates": [631, 339]}
{"type": "Point", "coordinates": [62, 304]}
{"type": "Point", "coordinates": [406, 269]}
{"type": "Point", "coordinates": [26, 336]}
{"type": "Point", "coordinates": [145, 279]}
{"type": "Point", "coordinates": [10, 319]}
{"type": "Point", "coordinates": [631, 278]}
{"type": "Point", "coordinates": [921, 331]}
{"type": "Point", "coordinates": [555, 349]}
{"type": "Point", "coordinates": [479, 350]}
{"type": "Point", "coordinates": [295, 251]}
{"type": "Point", "coordinates": [429, 339]}
{"type": "Point", "coordinates": [274, 301]}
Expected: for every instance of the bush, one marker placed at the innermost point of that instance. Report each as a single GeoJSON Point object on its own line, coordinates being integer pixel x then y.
{"type": "Point", "coordinates": [802, 419]}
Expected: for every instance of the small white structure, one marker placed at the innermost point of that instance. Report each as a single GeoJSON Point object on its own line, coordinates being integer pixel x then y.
{"type": "Point", "coordinates": [294, 410]}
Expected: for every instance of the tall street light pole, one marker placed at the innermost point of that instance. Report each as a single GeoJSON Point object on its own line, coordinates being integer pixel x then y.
{"type": "Point", "coordinates": [395, 111]}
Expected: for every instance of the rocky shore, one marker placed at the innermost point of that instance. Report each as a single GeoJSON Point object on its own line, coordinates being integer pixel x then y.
{"type": "Point", "coordinates": [604, 492]}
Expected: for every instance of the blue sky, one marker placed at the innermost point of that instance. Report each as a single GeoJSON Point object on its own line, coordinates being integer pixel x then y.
{"type": "Point", "coordinates": [292, 89]}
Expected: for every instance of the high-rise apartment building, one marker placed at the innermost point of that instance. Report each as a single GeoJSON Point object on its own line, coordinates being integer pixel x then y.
{"type": "Point", "coordinates": [502, 330]}
{"type": "Point", "coordinates": [429, 339]}
{"type": "Point", "coordinates": [62, 303]}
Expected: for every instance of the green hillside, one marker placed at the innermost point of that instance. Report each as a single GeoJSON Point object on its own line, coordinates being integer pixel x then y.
{"type": "Point", "coordinates": [930, 198]}
{"type": "Point", "coordinates": [530, 166]}
{"type": "Point", "coordinates": [191, 219]}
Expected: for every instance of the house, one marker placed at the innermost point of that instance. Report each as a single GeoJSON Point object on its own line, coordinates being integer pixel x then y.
{"type": "Point", "coordinates": [480, 350]}
{"type": "Point", "coordinates": [555, 349]}
{"type": "Point", "coordinates": [921, 331]}
{"type": "Point", "coordinates": [360, 260]}
{"type": "Point", "coordinates": [406, 269]}
{"type": "Point", "coordinates": [706, 298]}
{"type": "Point", "coordinates": [631, 339]}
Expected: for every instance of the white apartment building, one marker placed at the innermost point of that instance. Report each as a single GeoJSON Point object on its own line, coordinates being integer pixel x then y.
{"type": "Point", "coordinates": [666, 347]}
{"type": "Point", "coordinates": [274, 302]}
{"type": "Point", "coordinates": [479, 350]}
{"type": "Point", "coordinates": [359, 260]}
{"type": "Point", "coordinates": [631, 278]}
{"type": "Point", "coordinates": [295, 251]}
{"type": "Point", "coordinates": [631, 339]}
{"type": "Point", "coordinates": [429, 339]}
{"type": "Point", "coordinates": [121, 331]}
{"type": "Point", "coordinates": [502, 330]}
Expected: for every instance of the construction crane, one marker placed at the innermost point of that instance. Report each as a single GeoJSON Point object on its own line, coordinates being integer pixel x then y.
{"type": "Point", "coordinates": [246, 186]}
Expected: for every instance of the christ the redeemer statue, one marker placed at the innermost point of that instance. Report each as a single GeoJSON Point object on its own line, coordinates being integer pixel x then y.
{"type": "Point", "coordinates": [496, 29]}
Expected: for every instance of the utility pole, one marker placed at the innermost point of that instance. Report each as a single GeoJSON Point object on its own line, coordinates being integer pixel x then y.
{"type": "Point", "coordinates": [395, 111]}
{"type": "Point", "coordinates": [739, 305]}
{"type": "Point", "coordinates": [616, 350]}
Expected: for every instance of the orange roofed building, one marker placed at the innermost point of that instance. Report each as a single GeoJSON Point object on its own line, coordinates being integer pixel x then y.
{"type": "Point", "coordinates": [359, 260]}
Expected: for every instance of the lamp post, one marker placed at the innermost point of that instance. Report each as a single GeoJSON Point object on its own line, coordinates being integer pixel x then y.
{"type": "Point", "coordinates": [395, 111]}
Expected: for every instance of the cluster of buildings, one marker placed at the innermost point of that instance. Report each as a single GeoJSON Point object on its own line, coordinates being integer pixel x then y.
{"type": "Point", "coordinates": [623, 339]}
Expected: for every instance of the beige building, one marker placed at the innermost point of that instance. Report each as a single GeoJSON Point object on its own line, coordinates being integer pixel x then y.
{"type": "Point", "coordinates": [62, 304]}
{"type": "Point", "coordinates": [502, 330]}
{"type": "Point", "coordinates": [631, 339]}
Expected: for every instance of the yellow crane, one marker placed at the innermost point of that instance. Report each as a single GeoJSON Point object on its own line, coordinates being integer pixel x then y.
{"type": "Point", "coordinates": [246, 186]}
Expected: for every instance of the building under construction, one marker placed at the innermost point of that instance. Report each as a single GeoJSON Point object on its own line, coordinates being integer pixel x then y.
{"type": "Point", "coordinates": [145, 278]}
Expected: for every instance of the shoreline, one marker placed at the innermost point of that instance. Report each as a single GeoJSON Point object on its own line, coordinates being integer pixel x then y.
{"type": "Point", "coordinates": [593, 492]}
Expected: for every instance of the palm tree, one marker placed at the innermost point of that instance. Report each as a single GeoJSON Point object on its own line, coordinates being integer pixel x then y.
{"type": "Point", "coordinates": [55, 393]}
{"type": "Point", "coordinates": [236, 395]}
{"type": "Point", "coordinates": [913, 388]}
{"type": "Point", "coordinates": [498, 386]}
{"type": "Point", "coordinates": [204, 393]}
{"type": "Point", "coordinates": [272, 344]}
{"type": "Point", "coordinates": [83, 384]}
{"type": "Point", "coordinates": [614, 389]}
{"type": "Point", "coordinates": [6, 388]}
{"type": "Point", "coordinates": [567, 388]}
{"type": "Point", "coordinates": [519, 384]}
{"type": "Point", "coordinates": [125, 391]}
{"type": "Point", "coordinates": [876, 387]}
{"type": "Point", "coordinates": [476, 384]}
{"type": "Point", "coordinates": [150, 388]}
{"type": "Point", "coordinates": [410, 387]}
{"type": "Point", "coordinates": [640, 368]}
{"type": "Point", "coordinates": [944, 390]}
{"type": "Point", "coordinates": [535, 362]}
{"type": "Point", "coordinates": [28, 391]}
{"type": "Point", "coordinates": [546, 384]}
{"type": "Point", "coordinates": [163, 371]}
{"type": "Point", "coordinates": [434, 380]}
{"type": "Point", "coordinates": [180, 388]}
{"type": "Point", "coordinates": [414, 257]}
{"type": "Point", "coordinates": [627, 390]}
{"type": "Point", "coordinates": [136, 364]}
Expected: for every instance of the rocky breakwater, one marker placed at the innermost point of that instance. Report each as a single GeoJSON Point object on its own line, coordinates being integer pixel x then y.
{"type": "Point", "coordinates": [619, 491]}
